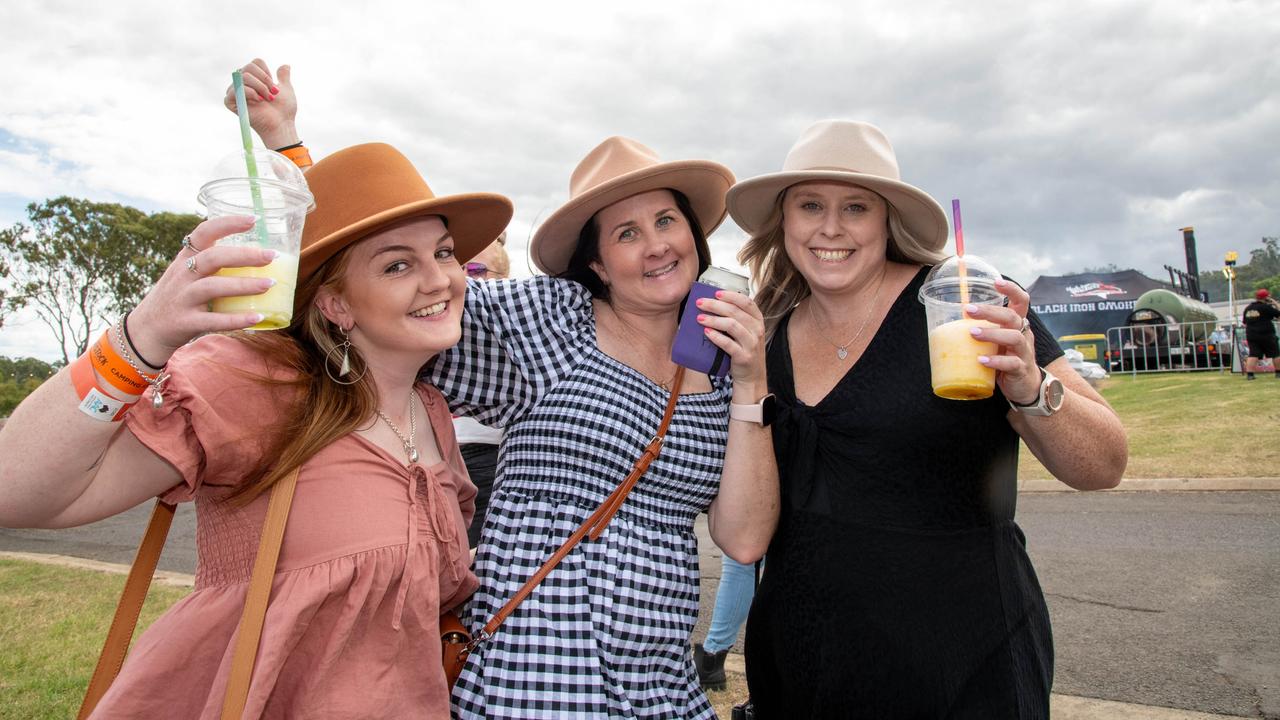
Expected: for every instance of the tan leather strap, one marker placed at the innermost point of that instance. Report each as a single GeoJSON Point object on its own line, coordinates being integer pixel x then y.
{"type": "Point", "coordinates": [139, 581]}
{"type": "Point", "coordinates": [255, 600]}
{"type": "Point", "coordinates": [131, 599]}
{"type": "Point", "coordinates": [596, 523]}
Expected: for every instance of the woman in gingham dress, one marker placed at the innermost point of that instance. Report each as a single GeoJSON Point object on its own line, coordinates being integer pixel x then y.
{"type": "Point", "coordinates": [577, 368]}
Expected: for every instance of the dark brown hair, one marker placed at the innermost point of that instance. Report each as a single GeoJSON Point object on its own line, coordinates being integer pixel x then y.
{"type": "Point", "coordinates": [587, 250]}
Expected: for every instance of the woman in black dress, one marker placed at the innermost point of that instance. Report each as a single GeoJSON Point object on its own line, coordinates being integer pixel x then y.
{"type": "Point", "coordinates": [897, 584]}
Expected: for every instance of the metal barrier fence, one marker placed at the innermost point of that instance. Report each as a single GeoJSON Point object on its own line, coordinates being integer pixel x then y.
{"type": "Point", "coordinates": [1171, 347]}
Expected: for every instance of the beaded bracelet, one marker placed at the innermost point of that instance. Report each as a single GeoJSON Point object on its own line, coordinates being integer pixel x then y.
{"type": "Point", "coordinates": [155, 381]}
{"type": "Point", "coordinates": [119, 374]}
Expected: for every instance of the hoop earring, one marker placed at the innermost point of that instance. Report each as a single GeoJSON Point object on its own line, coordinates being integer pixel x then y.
{"type": "Point", "coordinates": [345, 368]}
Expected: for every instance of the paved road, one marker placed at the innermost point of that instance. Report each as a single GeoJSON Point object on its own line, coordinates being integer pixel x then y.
{"type": "Point", "coordinates": [113, 540]}
{"type": "Point", "coordinates": [1167, 599]}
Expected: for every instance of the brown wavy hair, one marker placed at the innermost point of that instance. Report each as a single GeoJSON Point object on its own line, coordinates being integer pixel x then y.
{"type": "Point", "coordinates": [323, 411]}
{"type": "Point", "coordinates": [780, 286]}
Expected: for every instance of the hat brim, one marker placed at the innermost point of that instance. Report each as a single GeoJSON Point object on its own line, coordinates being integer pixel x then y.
{"type": "Point", "coordinates": [474, 220]}
{"type": "Point", "coordinates": [751, 201]}
{"type": "Point", "coordinates": [702, 181]}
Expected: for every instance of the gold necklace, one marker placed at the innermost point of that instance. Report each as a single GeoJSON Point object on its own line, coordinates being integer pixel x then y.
{"type": "Point", "coordinates": [842, 351]}
{"type": "Point", "coordinates": [410, 447]}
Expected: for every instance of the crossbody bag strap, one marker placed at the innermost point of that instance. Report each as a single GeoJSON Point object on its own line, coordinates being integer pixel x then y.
{"type": "Point", "coordinates": [134, 594]}
{"type": "Point", "coordinates": [138, 583]}
{"type": "Point", "coordinates": [596, 523]}
{"type": "Point", "coordinates": [255, 600]}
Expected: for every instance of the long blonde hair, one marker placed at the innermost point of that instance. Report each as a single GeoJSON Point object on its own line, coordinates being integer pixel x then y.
{"type": "Point", "coordinates": [323, 410]}
{"type": "Point", "coordinates": [780, 286]}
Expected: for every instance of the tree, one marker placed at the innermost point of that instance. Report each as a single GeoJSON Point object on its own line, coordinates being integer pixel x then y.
{"type": "Point", "coordinates": [79, 261]}
{"type": "Point", "coordinates": [1260, 271]}
{"type": "Point", "coordinates": [4, 275]}
{"type": "Point", "coordinates": [18, 377]}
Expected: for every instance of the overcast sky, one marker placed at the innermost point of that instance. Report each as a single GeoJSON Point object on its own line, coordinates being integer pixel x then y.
{"type": "Point", "coordinates": [1075, 134]}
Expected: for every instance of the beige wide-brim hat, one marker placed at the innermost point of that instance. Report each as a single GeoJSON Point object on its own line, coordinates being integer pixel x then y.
{"type": "Point", "coordinates": [615, 170]}
{"type": "Point", "coordinates": [841, 151]}
{"type": "Point", "coordinates": [365, 188]}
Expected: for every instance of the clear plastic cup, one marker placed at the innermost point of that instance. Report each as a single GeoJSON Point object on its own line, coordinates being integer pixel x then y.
{"type": "Point", "coordinates": [285, 201]}
{"type": "Point", "coordinates": [953, 350]}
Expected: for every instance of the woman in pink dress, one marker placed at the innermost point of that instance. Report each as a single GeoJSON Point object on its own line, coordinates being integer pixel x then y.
{"type": "Point", "coordinates": [376, 546]}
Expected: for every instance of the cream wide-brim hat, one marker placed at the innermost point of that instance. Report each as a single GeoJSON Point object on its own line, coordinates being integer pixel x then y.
{"type": "Point", "coordinates": [843, 151]}
{"type": "Point", "coordinates": [617, 169]}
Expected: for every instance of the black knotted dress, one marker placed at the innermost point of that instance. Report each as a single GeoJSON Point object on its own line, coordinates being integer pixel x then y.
{"type": "Point", "coordinates": [898, 584]}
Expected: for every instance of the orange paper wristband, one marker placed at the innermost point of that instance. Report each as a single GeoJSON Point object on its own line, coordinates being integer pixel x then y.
{"type": "Point", "coordinates": [300, 156]}
{"type": "Point", "coordinates": [93, 401]}
{"type": "Point", "coordinates": [114, 369]}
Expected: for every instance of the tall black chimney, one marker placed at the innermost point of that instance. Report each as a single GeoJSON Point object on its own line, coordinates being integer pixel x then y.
{"type": "Point", "coordinates": [1193, 267]}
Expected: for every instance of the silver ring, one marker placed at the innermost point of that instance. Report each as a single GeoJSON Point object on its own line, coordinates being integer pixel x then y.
{"type": "Point", "coordinates": [1026, 325]}
{"type": "Point", "coordinates": [186, 243]}
{"type": "Point", "coordinates": [191, 264]}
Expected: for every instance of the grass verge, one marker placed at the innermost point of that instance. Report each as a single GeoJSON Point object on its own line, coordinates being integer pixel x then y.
{"type": "Point", "coordinates": [1203, 424]}
{"type": "Point", "coordinates": [52, 624]}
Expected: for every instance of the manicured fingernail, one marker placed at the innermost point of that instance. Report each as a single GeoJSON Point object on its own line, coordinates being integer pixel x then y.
{"type": "Point", "coordinates": [270, 255]}
{"type": "Point", "coordinates": [700, 302]}
{"type": "Point", "coordinates": [971, 308]}
{"type": "Point", "coordinates": [975, 331]}
{"type": "Point", "coordinates": [270, 282]}
{"type": "Point", "coordinates": [984, 359]}
{"type": "Point", "coordinates": [706, 331]}
{"type": "Point", "coordinates": [702, 318]}
{"type": "Point", "coordinates": [719, 294]}
{"type": "Point", "coordinates": [274, 90]}
{"type": "Point", "coordinates": [271, 98]}
{"type": "Point", "coordinates": [258, 317]}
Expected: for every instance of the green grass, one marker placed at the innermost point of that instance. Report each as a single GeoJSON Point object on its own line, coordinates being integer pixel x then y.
{"type": "Point", "coordinates": [1204, 424]}
{"type": "Point", "coordinates": [52, 624]}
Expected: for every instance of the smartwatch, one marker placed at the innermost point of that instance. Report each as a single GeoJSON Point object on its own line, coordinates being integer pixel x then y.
{"type": "Point", "coordinates": [760, 413]}
{"type": "Point", "coordinates": [1049, 400]}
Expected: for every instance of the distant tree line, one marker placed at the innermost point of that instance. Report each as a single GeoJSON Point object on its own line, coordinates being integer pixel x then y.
{"type": "Point", "coordinates": [18, 377]}
{"type": "Point", "coordinates": [1261, 271]}
{"type": "Point", "coordinates": [78, 263]}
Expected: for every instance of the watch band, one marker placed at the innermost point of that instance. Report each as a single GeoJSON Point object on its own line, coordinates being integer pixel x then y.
{"type": "Point", "coordinates": [747, 413]}
{"type": "Point", "coordinates": [1048, 400]}
{"type": "Point", "coordinates": [760, 413]}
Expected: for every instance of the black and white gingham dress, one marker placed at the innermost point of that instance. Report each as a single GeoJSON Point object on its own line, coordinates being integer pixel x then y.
{"type": "Point", "coordinates": [607, 633]}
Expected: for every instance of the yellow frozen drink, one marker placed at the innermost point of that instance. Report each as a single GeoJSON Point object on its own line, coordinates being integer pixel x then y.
{"type": "Point", "coordinates": [276, 304]}
{"type": "Point", "coordinates": [278, 197]}
{"type": "Point", "coordinates": [950, 286]}
{"type": "Point", "coordinates": [953, 361]}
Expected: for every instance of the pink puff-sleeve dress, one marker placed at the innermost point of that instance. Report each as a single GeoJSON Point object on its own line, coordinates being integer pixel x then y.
{"type": "Point", "coordinates": [373, 552]}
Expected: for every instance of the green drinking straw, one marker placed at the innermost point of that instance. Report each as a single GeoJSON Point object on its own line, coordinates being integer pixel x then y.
{"type": "Point", "coordinates": [242, 109]}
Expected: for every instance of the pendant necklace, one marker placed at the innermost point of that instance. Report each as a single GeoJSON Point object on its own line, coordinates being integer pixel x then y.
{"type": "Point", "coordinates": [410, 448]}
{"type": "Point", "coordinates": [842, 351]}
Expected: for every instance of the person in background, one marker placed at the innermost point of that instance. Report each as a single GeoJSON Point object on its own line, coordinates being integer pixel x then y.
{"type": "Point", "coordinates": [479, 443]}
{"type": "Point", "coordinates": [733, 601]}
{"type": "Point", "coordinates": [1260, 332]}
{"type": "Point", "coordinates": [898, 584]}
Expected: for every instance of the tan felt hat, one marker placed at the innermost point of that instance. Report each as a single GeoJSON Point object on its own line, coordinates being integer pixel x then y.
{"type": "Point", "coordinates": [364, 188]}
{"type": "Point", "coordinates": [844, 151]}
{"type": "Point", "coordinates": [615, 170]}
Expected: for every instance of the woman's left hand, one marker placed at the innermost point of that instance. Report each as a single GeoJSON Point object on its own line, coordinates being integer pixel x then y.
{"type": "Point", "coordinates": [1016, 371]}
{"type": "Point", "coordinates": [733, 323]}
